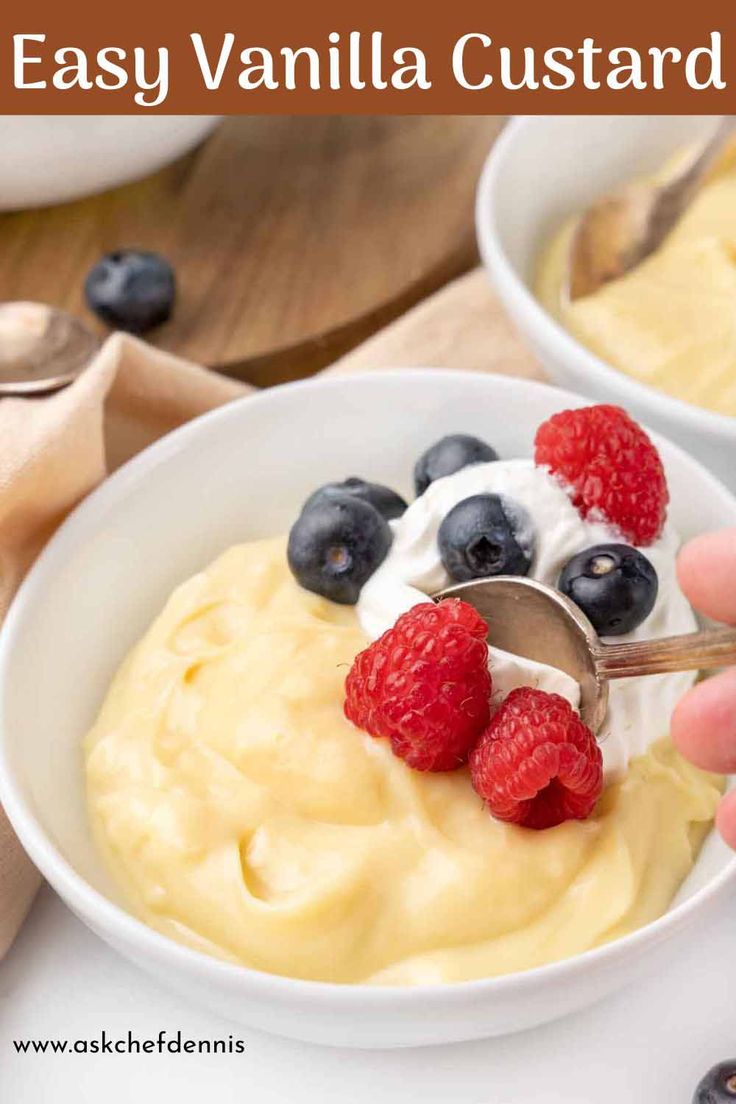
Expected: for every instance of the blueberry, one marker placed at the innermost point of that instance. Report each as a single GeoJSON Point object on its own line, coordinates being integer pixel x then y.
{"type": "Point", "coordinates": [336, 545]}
{"type": "Point", "coordinates": [718, 1086]}
{"type": "Point", "coordinates": [131, 290]}
{"type": "Point", "coordinates": [387, 502]}
{"type": "Point", "coordinates": [448, 456]}
{"type": "Point", "coordinates": [614, 585]}
{"type": "Point", "coordinates": [486, 534]}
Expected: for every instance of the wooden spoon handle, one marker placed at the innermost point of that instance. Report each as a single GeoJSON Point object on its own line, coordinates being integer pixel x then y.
{"type": "Point", "coordinates": [691, 652]}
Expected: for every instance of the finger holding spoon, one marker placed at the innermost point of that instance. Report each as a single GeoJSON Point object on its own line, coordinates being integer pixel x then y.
{"type": "Point", "coordinates": [706, 570]}
{"type": "Point", "coordinates": [704, 722]}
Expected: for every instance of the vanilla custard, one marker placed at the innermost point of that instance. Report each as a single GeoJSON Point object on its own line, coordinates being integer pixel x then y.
{"type": "Point", "coordinates": [244, 816]}
{"type": "Point", "coordinates": [671, 321]}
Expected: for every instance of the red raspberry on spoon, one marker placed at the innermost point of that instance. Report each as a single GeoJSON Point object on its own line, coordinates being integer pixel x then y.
{"type": "Point", "coordinates": [425, 685]}
{"type": "Point", "coordinates": [611, 467]}
{"type": "Point", "coordinates": [537, 764]}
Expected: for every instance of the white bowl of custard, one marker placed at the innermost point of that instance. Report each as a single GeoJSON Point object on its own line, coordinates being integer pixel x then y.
{"type": "Point", "coordinates": [238, 474]}
{"type": "Point", "coordinates": [541, 173]}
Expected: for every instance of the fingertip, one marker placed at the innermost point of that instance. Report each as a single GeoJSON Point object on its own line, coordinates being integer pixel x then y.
{"type": "Point", "coordinates": [686, 734]}
{"type": "Point", "coordinates": [687, 564]}
{"type": "Point", "coordinates": [703, 725]}
{"type": "Point", "coordinates": [706, 569]}
{"type": "Point", "coordinates": [726, 819]}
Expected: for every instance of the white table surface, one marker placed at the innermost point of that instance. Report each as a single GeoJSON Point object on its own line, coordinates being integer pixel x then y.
{"type": "Point", "coordinates": [647, 1045]}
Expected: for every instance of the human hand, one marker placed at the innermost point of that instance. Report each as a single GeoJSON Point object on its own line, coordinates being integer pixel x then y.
{"type": "Point", "coordinates": [704, 722]}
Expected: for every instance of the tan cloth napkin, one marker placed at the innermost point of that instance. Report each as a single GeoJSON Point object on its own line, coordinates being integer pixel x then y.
{"type": "Point", "coordinates": [54, 450]}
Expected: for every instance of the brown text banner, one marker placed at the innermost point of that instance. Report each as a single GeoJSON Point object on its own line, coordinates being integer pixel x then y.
{"type": "Point", "coordinates": [467, 57]}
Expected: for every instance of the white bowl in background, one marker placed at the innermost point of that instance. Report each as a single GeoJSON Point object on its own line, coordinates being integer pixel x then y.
{"type": "Point", "coordinates": [540, 171]}
{"type": "Point", "coordinates": [236, 474]}
{"type": "Point", "coordinates": [54, 158]}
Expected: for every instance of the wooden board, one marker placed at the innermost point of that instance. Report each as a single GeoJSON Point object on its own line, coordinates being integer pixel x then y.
{"type": "Point", "coordinates": [292, 238]}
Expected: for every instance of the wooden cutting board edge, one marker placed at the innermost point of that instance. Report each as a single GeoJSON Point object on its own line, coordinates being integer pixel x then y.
{"type": "Point", "coordinates": [308, 357]}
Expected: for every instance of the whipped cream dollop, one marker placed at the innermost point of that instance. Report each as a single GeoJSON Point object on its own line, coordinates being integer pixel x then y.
{"type": "Point", "coordinates": [639, 708]}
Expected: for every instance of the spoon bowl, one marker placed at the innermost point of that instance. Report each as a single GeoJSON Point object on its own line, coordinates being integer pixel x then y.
{"type": "Point", "coordinates": [623, 228]}
{"type": "Point", "coordinates": [42, 349]}
{"type": "Point", "coordinates": [531, 619]}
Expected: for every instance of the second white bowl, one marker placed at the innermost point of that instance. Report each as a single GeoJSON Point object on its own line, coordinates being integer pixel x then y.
{"type": "Point", "coordinates": [540, 171]}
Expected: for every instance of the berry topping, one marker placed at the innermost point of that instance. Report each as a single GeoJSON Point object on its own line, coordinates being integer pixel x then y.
{"type": "Point", "coordinates": [611, 467]}
{"type": "Point", "coordinates": [425, 685]}
{"type": "Point", "coordinates": [614, 585]}
{"type": "Point", "coordinates": [718, 1086]}
{"type": "Point", "coordinates": [537, 764]}
{"type": "Point", "coordinates": [386, 501]}
{"type": "Point", "coordinates": [448, 456]}
{"type": "Point", "coordinates": [486, 534]}
{"type": "Point", "coordinates": [131, 290]}
{"type": "Point", "coordinates": [336, 545]}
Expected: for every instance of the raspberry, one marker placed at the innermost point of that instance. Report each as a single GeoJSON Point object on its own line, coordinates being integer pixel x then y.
{"type": "Point", "coordinates": [425, 685]}
{"type": "Point", "coordinates": [611, 466]}
{"type": "Point", "coordinates": [537, 764]}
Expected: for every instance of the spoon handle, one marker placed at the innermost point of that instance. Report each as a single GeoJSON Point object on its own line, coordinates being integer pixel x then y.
{"type": "Point", "coordinates": [676, 194]}
{"type": "Point", "coordinates": [691, 652]}
{"type": "Point", "coordinates": [705, 158]}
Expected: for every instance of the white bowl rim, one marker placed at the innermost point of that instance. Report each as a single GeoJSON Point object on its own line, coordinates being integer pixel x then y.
{"type": "Point", "coordinates": [107, 916]}
{"type": "Point", "coordinates": [695, 417]}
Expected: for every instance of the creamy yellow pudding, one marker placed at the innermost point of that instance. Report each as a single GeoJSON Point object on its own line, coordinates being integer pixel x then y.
{"type": "Point", "coordinates": [243, 815]}
{"type": "Point", "coordinates": [671, 322]}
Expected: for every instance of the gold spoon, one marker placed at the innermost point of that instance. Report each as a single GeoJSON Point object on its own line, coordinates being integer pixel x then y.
{"type": "Point", "coordinates": [531, 619]}
{"type": "Point", "coordinates": [622, 229]}
{"type": "Point", "coordinates": [41, 349]}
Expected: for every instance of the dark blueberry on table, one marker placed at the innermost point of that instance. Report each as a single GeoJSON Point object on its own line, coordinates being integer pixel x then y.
{"type": "Point", "coordinates": [718, 1086]}
{"type": "Point", "coordinates": [486, 534]}
{"type": "Point", "coordinates": [613, 584]}
{"type": "Point", "coordinates": [388, 503]}
{"type": "Point", "coordinates": [336, 545]}
{"type": "Point", "coordinates": [448, 456]}
{"type": "Point", "coordinates": [131, 290]}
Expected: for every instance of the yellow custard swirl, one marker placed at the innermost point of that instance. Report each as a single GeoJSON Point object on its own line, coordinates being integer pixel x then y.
{"type": "Point", "coordinates": [243, 815]}
{"type": "Point", "coordinates": [671, 321]}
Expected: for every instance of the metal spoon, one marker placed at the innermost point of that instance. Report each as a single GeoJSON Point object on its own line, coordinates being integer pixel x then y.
{"type": "Point", "coordinates": [530, 619]}
{"type": "Point", "coordinates": [623, 228]}
{"type": "Point", "coordinates": [41, 349]}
